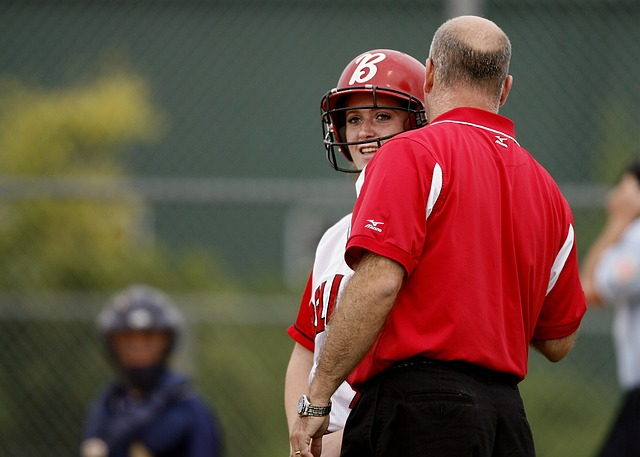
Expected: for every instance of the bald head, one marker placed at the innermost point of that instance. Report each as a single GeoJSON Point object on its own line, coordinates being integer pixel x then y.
{"type": "Point", "coordinates": [470, 51]}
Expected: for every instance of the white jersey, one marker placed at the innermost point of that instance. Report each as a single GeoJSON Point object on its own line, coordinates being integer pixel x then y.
{"type": "Point", "coordinates": [328, 279]}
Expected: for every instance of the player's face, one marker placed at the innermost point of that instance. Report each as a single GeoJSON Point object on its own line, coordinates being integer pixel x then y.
{"type": "Point", "coordinates": [139, 349]}
{"type": "Point", "coordinates": [370, 123]}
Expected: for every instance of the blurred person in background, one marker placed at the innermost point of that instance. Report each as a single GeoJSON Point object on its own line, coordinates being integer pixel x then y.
{"type": "Point", "coordinates": [611, 276]}
{"type": "Point", "coordinates": [148, 410]}
{"type": "Point", "coordinates": [379, 94]}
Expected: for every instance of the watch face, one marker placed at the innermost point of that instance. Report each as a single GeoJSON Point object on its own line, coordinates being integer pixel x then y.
{"type": "Point", "coordinates": [301, 403]}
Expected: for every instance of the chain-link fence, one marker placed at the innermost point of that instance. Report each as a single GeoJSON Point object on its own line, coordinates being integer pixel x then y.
{"type": "Point", "coordinates": [178, 143]}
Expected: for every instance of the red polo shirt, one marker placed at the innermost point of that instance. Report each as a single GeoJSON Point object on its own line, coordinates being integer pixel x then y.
{"type": "Point", "coordinates": [486, 239]}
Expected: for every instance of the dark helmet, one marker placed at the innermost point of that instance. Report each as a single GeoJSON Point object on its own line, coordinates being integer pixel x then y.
{"type": "Point", "coordinates": [380, 71]}
{"type": "Point", "coordinates": [142, 308]}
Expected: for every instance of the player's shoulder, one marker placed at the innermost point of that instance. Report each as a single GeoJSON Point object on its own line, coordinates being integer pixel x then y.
{"type": "Point", "coordinates": [335, 237]}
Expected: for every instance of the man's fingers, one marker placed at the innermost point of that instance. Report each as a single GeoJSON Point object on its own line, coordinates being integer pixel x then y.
{"type": "Point", "coordinates": [306, 436]}
{"type": "Point", "coordinates": [299, 440]}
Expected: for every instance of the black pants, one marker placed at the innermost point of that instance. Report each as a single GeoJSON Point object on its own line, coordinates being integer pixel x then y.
{"type": "Point", "coordinates": [429, 408]}
{"type": "Point", "coordinates": [624, 437]}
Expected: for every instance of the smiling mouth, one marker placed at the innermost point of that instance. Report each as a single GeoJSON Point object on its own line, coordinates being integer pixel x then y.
{"type": "Point", "coordinates": [368, 150]}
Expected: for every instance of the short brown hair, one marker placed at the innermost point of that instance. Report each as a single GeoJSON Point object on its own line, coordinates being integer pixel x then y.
{"type": "Point", "coordinates": [464, 57]}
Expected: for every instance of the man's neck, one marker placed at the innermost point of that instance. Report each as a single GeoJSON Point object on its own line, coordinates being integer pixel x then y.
{"type": "Point", "coordinates": [439, 104]}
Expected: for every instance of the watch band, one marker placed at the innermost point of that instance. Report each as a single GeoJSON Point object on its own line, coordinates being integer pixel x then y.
{"type": "Point", "coordinates": [313, 410]}
{"type": "Point", "coordinates": [305, 408]}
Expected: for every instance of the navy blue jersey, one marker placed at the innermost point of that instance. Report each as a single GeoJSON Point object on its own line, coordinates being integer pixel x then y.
{"type": "Point", "coordinates": [171, 421]}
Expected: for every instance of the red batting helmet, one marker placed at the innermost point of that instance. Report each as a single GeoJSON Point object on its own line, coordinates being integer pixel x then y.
{"type": "Point", "coordinates": [379, 71]}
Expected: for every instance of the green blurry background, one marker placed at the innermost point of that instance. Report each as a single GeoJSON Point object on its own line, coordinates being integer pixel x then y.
{"type": "Point", "coordinates": [178, 143]}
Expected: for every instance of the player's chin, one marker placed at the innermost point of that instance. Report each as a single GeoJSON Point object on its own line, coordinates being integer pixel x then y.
{"type": "Point", "coordinates": [364, 159]}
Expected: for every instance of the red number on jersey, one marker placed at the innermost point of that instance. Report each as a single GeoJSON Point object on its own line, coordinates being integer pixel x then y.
{"type": "Point", "coordinates": [323, 309]}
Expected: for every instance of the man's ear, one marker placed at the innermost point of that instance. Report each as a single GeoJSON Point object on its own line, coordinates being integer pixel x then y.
{"type": "Point", "coordinates": [429, 76]}
{"type": "Point", "coordinates": [506, 88]}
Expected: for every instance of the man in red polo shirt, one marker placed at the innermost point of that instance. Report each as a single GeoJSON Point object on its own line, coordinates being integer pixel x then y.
{"type": "Point", "coordinates": [464, 255]}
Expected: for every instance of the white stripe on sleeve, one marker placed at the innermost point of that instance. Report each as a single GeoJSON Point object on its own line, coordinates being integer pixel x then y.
{"type": "Point", "coordinates": [561, 259]}
{"type": "Point", "coordinates": [436, 188]}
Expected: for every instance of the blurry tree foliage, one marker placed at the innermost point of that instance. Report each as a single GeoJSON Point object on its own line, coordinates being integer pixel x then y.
{"type": "Point", "coordinates": [77, 132]}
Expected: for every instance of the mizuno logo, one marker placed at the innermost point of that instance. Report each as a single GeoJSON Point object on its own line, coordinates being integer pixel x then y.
{"type": "Point", "coordinates": [373, 225]}
{"type": "Point", "coordinates": [501, 141]}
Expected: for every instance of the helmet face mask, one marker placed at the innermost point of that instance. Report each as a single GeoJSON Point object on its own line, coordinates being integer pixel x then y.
{"type": "Point", "coordinates": [378, 72]}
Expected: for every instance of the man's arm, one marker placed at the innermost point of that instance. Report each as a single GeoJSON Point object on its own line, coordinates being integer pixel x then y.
{"type": "Point", "coordinates": [357, 321]}
{"type": "Point", "coordinates": [355, 324]}
{"type": "Point", "coordinates": [555, 350]}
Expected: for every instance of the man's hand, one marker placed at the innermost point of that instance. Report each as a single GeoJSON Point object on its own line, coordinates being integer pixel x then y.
{"type": "Point", "coordinates": [306, 436]}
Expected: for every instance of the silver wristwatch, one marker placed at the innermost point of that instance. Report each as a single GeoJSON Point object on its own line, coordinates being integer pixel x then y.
{"type": "Point", "coordinates": [305, 408]}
